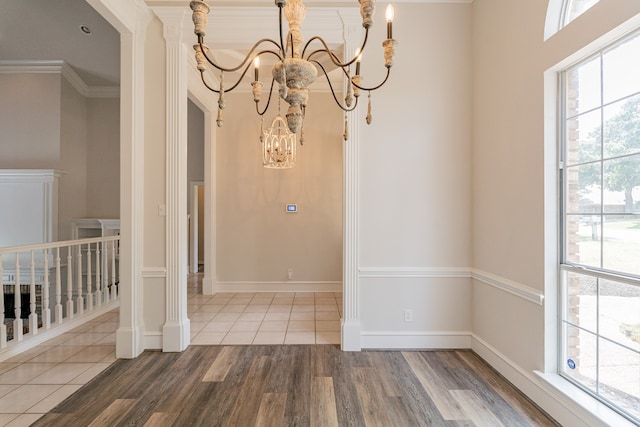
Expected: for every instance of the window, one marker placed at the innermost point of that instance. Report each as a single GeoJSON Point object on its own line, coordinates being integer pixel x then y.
{"type": "Point", "coordinates": [574, 8]}
{"type": "Point", "coordinates": [600, 243]}
{"type": "Point", "coordinates": [561, 12]}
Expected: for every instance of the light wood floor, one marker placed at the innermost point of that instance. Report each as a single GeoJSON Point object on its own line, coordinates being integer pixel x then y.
{"type": "Point", "coordinates": [297, 385]}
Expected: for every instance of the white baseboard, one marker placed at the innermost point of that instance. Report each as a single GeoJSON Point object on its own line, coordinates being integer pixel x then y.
{"type": "Point", "coordinates": [152, 340]}
{"type": "Point", "coordinates": [351, 335]}
{"type": "Point", "coordinates": [561, 403]}
{"type": "Point", "coordinates": [416, 339]}
{"type": "Point", "coordinates": [288, 286]}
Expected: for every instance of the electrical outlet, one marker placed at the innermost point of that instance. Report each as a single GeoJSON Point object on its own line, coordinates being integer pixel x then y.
{"type": "Point", "coordinates": [290, 273]}
{"type": "Point", "coordinates": [408, 315]}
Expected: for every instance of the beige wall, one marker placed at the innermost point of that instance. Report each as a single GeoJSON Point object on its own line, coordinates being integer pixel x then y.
{"type": "Point", "coordinates": [414, 221]}
{"type": "Point", "coordinates": [508, 165]}
{"type": "Point", "coordinates": [29, 120]}
{"type": "Point", "coordinates": [73, 159]}
{"type": "Point", "coordinates": [46, 123]}
{"type": "Point", "coordinates": [103, 157]}
{"type": "Point", "coordinates": [195, 148]}
{"type": "Point", "coordinates": [257, 240]}
{"type": "Point", "coordinates": [154, 292]}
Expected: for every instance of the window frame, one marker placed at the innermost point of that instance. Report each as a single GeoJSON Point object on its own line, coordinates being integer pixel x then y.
{"type": "Point", "coordinates": [558, 16]}
{"type": "Point", "coordinates": [564, 266]}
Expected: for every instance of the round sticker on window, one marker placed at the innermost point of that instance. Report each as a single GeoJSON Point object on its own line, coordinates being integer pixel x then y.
{"type": "Point", "coordinates": [571, 364]}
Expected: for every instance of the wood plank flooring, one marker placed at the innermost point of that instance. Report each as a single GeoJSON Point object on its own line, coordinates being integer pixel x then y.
{"type": "Point", "coordinates": [305, 385]}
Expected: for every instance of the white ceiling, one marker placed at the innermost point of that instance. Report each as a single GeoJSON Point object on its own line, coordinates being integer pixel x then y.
{"type": "Point", "coordinates": [36, 30]}
{"type": "Point", "coordinates": [50, 30]}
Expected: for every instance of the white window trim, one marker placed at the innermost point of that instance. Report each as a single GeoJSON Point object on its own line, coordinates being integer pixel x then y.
{"type": "Point", "coordinates": [578, 402]}
{"type": "Point", "coordinates": [556, 17]}
{"type": "Point", "coordinates": [592, 411]}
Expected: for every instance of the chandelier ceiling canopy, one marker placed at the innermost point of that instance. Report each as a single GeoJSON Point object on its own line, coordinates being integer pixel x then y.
{"type": "Point", "coordinates": [298, 64]}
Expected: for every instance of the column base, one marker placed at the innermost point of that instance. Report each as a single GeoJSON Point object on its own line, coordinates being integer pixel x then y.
{"type": "Point", "coordinates": [208, 285]}
{"type": "Point", "coordinates": [176, 335]}
{"type": "Point", "coordinates": [351, 336]}
{"type": "Point", "coordinates": [128, 343]}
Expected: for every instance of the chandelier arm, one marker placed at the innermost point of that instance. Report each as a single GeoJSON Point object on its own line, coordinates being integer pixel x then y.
{"type": "Point", "coordinates": [235, 85]}
{"type": "Point", "coordinates": [333, 92]}
{"type": "Point", "coordinates": [244, 61]}
{"type": "Point", "coordinates": [268, 100]}
{"type": "Point", "coordinates": [246, 68]}
{"type": "Point", "coordinates": [206, 84]}
{"type": "Point", "coordinates": [332, 55]}
{"type": "Point", "coordinates": [374, 87]}
{"type": "Point", "coordinates": [262, 52]}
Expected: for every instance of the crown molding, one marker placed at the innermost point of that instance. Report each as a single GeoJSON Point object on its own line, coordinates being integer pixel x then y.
{"type": "Point", "coordinates": [62, 68]}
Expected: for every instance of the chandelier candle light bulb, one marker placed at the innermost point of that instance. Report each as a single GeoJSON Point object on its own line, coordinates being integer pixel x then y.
{"type": "Point", "coordinates": [389, 16]}
{"type": "Point", "coordinates": [256, 67]}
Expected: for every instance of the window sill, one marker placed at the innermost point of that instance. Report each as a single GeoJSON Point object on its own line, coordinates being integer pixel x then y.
{"type": "Point", "coordinates": [590, 410]}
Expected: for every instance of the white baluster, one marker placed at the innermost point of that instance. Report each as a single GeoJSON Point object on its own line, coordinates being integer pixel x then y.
{"type": "Point", "coordinates": [79, 298]}
{"type": "Point", "coordinates": [17, 323]}
{"type": "Point", "coordinates": [69, 284]}
{"type": "Point", "coordinates": [33, 316]}
{"type": "Point", "coordinates": [98, 278]}
{"type": "Point", "coordinates": [46, 311]}
{"type": "Point", "coordinates": [105, 272]}
{"type": "Point", "coordinates": [89, 281]}
{"type": "Point", "coordinates": [3, 327]}
{"type": "Point", "coordinates": [58, 310]}
{"type": "Point", "coordinates": [114, 278]}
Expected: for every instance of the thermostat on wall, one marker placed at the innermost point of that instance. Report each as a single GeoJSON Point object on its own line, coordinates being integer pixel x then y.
{"type": "Point", "coordinates": [292, 208]}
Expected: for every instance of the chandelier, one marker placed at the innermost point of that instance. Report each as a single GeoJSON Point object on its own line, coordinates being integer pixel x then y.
{"type": "Point", "coordinates": [297, 63]}
{"type": "Point", "coordinates": [278, 145]}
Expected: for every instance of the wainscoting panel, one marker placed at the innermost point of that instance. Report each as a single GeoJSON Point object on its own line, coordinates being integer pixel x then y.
{"type": "Point", "coordinates": [415, 307]}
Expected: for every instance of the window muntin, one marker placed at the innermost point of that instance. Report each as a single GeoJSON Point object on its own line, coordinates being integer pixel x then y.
{"type": "Point", "coordinates": [600, 266]}
{"type": "Point", "coordinates": [613, 74]}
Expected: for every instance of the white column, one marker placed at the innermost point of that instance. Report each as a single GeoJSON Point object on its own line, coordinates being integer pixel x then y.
{"type": "Point", "coordinates": [351, 329]}
{"type": "Point", "coordinates": [129, 336]}
{"type": "Point", "coordinates": [130, 18]}
{"type": "Point", "coordinates": [176, 330]}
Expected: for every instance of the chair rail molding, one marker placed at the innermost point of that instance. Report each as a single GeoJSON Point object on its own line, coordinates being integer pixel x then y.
{"type": "Point", "coordinates": [510, 286]}
{"type": "Point", "coordinates": [398, 272]}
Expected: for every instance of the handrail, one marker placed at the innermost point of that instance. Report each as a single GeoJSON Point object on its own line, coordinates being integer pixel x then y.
{"type": "Point", "coordinates": [62, 243]}
{"type": "Point", "coordinates": [82, 275]}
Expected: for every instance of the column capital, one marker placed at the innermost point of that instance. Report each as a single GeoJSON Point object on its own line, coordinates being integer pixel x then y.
{"type": "Point", "coordinates": [175, 20]}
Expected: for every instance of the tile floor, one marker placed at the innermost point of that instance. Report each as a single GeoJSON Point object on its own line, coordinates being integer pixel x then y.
{"type": "Point", "coordinates": [35, 381]}
{"type": "Point", "coordinates": [266, 318]}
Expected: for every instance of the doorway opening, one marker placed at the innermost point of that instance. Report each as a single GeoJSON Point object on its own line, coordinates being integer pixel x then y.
{"type": "Point", "coordinates": [196, 228]}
